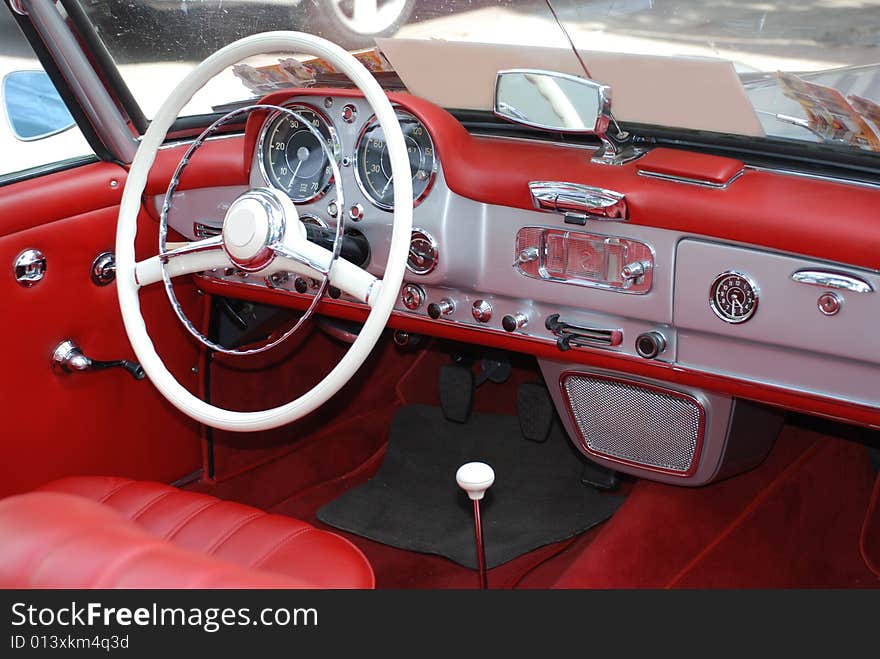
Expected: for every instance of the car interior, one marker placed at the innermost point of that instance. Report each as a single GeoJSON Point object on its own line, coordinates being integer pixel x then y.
{"type": "Point", "coordinates": [296, 304]}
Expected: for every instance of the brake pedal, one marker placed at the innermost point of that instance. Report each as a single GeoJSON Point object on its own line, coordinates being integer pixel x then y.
{"type": "Point", "coordinates": [456, 392]}
{"type": "Point", "coordinates": [535, 411]}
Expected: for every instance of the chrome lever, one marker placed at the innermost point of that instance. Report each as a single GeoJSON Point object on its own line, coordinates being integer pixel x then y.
{"type": "Point", "coordinates": [568, 335]}
{"type": "Point", "coordinates": [68, 358]}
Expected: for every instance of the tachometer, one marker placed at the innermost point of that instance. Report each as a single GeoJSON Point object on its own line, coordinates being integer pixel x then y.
{"type": "Point", "coordinates": [292, 158]}
{"type": "Point", "coordinates": [374, 166]}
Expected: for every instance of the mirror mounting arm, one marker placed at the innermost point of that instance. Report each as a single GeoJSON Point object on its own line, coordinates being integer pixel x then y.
{"type": "Point", "coordinates": [619, 150]}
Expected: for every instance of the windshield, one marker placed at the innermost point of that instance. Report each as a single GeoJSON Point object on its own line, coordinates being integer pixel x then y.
{"type": "Point", "coordinates": [805, 71]}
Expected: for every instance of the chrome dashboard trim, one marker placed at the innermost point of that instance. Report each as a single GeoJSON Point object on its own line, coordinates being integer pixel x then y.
{"type": "Point", "coordinates": [816, 177]}
{"type": "Point", "coordinates": [691, 181]}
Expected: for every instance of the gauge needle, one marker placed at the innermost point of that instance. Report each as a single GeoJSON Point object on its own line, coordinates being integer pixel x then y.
{"type": "Point", "coordinates": [385, 189]}
{"type": "Point", "coordinates": [295, 172]}
{"type": "Point", "coordinates": [302, 154]}
{"type": "Point", "coordinates": [420, 258]}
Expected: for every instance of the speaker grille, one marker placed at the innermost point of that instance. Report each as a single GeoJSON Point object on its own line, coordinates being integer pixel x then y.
{"type": "Point", "coordinates": [656, 428]}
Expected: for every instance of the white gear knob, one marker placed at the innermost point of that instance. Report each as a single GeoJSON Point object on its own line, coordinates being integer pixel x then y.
{"type": "Point", "coordinates": [475, 478]}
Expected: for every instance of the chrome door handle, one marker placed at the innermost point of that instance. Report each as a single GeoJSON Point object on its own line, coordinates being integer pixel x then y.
{"type": "Point", "coordinates": [578, 202]}
{"type": "Point", "coordinates": [829, 279]}
{"type": "Point", "coordinates": [68, 358]}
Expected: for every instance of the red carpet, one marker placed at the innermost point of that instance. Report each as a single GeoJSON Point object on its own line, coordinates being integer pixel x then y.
{"type": "Point", "coordinates": [801, 519]}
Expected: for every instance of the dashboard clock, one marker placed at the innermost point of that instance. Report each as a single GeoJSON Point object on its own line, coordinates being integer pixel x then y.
{"type": "Point", "coordinates": [733, 297]}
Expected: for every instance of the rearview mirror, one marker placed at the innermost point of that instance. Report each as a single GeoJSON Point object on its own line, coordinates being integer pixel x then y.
{"type": "Point", "coordinates": [553, 101]}
{"type": "Point", "coordinates": [33, 106]}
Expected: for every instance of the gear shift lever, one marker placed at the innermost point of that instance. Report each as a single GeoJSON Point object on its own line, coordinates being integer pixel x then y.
{"type": "Point", "coordinates": [475, 478]}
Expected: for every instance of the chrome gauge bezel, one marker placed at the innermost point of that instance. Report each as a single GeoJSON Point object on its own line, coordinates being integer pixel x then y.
{"type": "Point", "coordinates": [720, 312]}
{"type": "Point", "coordinates": [421, 233]}
{"type": "Point", "coordinates": [432, 176]}
{"type": "Point", "coordinates": [335, 147]}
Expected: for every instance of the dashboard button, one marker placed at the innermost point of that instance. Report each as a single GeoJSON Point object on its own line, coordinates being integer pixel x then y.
{"type": "Point", "coordinates": [482, 311]}
{"type": "Point", "coordinates": [412, 296]}
{"type": "Point", "coordinates": [443, 307]}
{"type": "Point", "coordinates": [650, 344]}
{"type": "Point", "coordinates": [513, 322]}
{"type": "Point", "coordinates": [356, 212]}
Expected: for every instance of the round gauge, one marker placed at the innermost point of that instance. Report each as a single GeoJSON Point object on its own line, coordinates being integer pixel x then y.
{"type": "Point", "coordinates": [733, 297]}
{"type": "Point", "coordinates": [423, 253]}
{"type": "Point", "coordinates": [293, 159]}
{"type": "Point", "coordinates": [373, 171]}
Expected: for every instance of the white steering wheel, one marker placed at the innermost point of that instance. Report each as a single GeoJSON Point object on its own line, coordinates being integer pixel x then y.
{"type": "Point", "coordinates": [262, 233]}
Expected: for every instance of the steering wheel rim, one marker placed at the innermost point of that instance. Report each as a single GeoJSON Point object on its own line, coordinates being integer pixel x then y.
{"type": "Point", "coordinates": [382, 301]}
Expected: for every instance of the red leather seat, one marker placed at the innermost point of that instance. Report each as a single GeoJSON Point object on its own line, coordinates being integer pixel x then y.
{"type": "Point", "coordinates": [106, 532]}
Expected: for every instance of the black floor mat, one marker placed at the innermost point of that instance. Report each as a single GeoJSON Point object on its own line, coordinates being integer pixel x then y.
{"type": "Point", "coordinates": [414, 503]}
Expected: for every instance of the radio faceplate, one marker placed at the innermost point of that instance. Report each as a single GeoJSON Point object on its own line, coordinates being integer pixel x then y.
{"type": "Point", "coordinates": [584, 259]}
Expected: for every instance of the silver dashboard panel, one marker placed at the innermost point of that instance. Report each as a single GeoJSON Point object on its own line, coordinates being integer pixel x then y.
{"type": "Point", "coordinates": [788, 342]}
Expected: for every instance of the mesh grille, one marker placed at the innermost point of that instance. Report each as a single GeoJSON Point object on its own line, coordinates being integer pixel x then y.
{"type": "Point", "coordinates": [634, 423]}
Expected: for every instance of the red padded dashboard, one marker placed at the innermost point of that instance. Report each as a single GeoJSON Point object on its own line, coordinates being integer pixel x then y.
{"type": "Point", "coordinates": [818, 218]}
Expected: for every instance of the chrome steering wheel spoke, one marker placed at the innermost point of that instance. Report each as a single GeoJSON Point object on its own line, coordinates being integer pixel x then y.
{"type": "Point", "coordinates": [260, 225]}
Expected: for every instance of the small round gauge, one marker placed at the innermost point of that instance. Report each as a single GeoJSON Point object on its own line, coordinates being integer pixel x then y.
{"type": "Point", "coordinates": [292, 158]}
{"type": "Point", "coordinates": [733, 297]}
{"type": "Point", "coordinates": [373, 171]}
{"type": "Point", "coordinates": [423, 253]}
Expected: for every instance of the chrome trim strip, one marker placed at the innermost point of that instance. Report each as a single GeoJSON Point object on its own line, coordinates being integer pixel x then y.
{"type": "Point", "coordinates": [828, 279]}
{"type": "Point", "coordinates": [82, 79]}
{"type": "Point", "coordinates": [815, 177]}
{"type": "Point", "coordinates": [691, 181]}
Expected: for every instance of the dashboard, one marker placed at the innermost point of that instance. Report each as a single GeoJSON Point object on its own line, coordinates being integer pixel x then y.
{"type": "Point", "coordinates": [613, 267]}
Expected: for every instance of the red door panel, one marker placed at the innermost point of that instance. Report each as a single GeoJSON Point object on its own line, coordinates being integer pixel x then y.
{"type": "Point", "coordinates": [85, 423]}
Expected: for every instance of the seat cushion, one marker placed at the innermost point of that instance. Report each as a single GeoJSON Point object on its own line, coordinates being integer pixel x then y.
{"type": "Point", "coordinates": [115, 532]}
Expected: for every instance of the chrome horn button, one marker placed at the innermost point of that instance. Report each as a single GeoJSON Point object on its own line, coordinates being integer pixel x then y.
{"type": "Point", "coordinates": [253, 226]}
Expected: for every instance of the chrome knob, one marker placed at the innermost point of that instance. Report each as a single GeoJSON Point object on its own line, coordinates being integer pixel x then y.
{"type": "Point", "coordinates": [513, 322]}
{"type": "Point", "coordinates": [482, 311]}
{"type": "Point", "coordinates": [412, 296]}
{"type": "Point", "coordinates": [634, 270]}
{"type": "Point", "coordinates": [527, 255]}
{"type": "Point", "coordinates": [442, 308]}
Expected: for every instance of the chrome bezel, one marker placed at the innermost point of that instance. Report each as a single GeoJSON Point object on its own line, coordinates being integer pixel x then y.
{"type": "Point", "coordinates": [335, 146]}
{"type": "Point", "coordinates": [714, 288]}
{"type": "Point", "coordinates": [416, 232]}
{"type": "Point", "coordinates": [432, 176]}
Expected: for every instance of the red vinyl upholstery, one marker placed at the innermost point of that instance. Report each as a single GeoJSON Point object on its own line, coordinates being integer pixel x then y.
{"type": "Point", "coordinates": [105, 532]}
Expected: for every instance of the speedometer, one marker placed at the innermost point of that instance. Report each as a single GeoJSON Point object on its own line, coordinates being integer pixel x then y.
{"type": "Point", "coordinates": [373, 171]}
{"type": "Point", "coordinates": [292, 158]}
